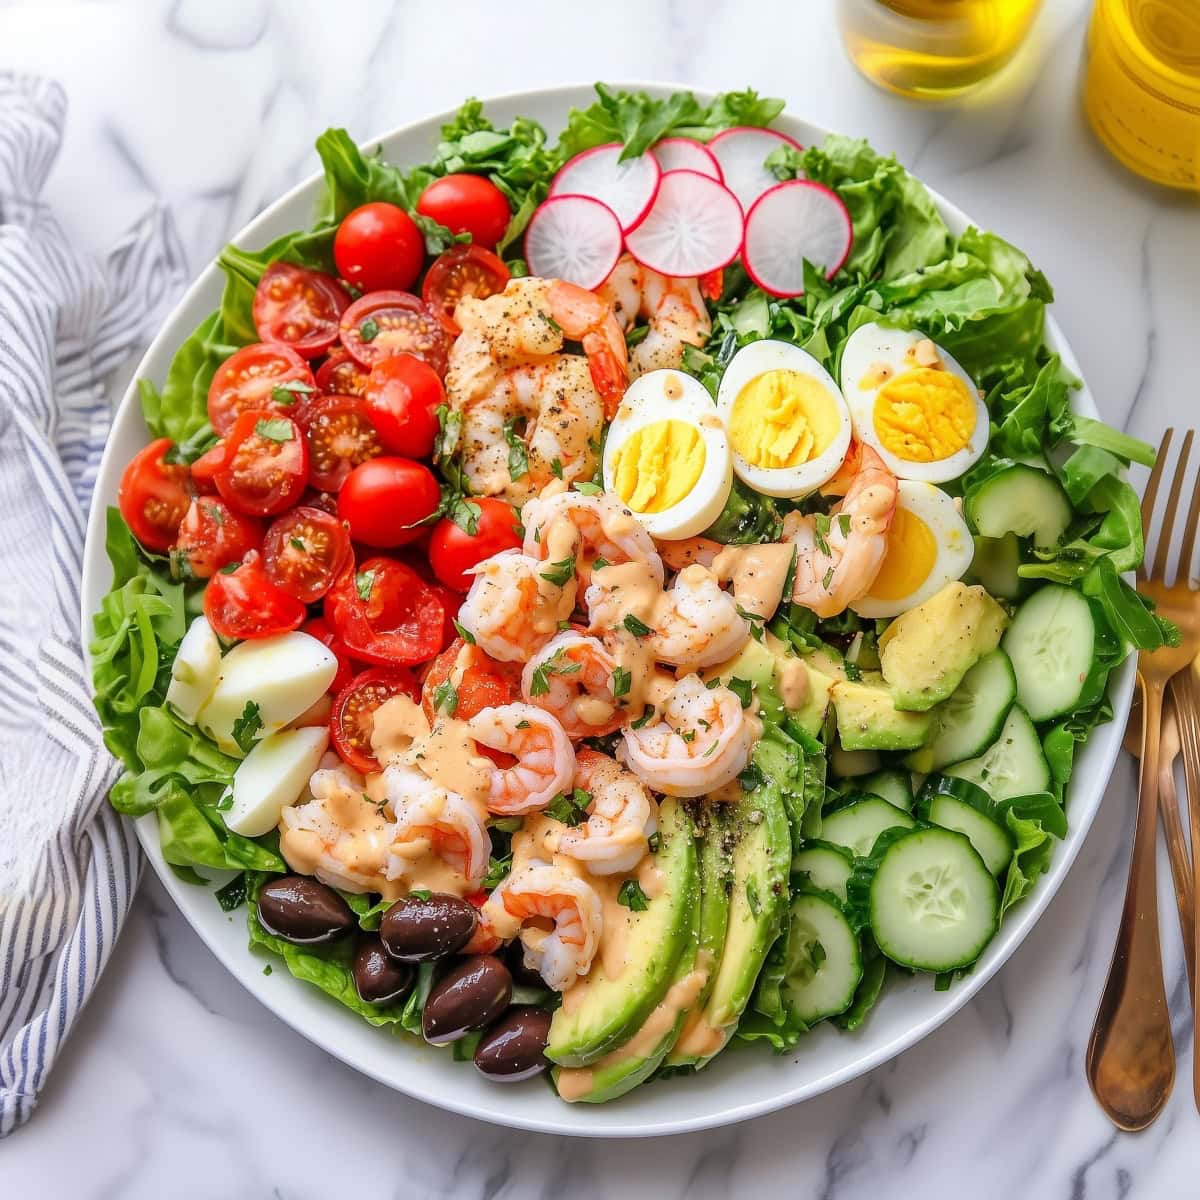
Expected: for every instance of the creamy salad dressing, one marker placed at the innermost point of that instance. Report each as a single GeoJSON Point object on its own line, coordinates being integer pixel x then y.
{"type": "Point", "coordinates": [756, 573]}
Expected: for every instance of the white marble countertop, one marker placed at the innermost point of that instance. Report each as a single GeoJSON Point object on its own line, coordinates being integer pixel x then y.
{"type": "Point", "coordinates": [178, 1083]}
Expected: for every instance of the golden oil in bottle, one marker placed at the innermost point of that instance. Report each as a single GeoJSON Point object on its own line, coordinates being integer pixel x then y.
{"type": "Point", "coordinates": [1142, 87]}
{"type": "Point", "coordinates": [933, 49]}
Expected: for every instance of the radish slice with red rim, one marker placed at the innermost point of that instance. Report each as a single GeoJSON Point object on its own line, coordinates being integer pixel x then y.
{"type": "Point", "coordinates": [694, 227]}
{"type": "Point", "coordinates": [684, 154]}
{"type": "Point", "coordinates": [576, 238]}
{"type": "Point", "coordinates": [741, 152]}
{"type": "Point", "coordinates": [792, 222]}
{"type": "Point", "coordinates": [628, 187]}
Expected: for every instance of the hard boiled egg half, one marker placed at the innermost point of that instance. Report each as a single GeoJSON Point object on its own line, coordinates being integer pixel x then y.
{"type": "Point", "coordinates": [912, 403]}
{"type": "Point", "coordinates": [788, 423]}
{"type": "Point", "coordinates": [666, 456]}
{"type": "Point", "coordinates": [928, 546]}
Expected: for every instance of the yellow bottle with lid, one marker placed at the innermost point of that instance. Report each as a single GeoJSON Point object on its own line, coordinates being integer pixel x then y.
{"type": "Point", "coordinates": [1142, 89]}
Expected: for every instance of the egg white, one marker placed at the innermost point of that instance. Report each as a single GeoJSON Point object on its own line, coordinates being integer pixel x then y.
{"type": "Point", "coordinates": [769, 355]}
{"type": "Point", "coordinates": [874, 345]}
{"type": "Point", "coordinates": [955, 548]}
{"type": "Point", "coordinates": [671, 395]}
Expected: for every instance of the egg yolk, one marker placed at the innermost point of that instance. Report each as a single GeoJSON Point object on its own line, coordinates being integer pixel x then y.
{"type": "Point", "coordinates": [924, 415]}
{"type": "Point", "coordinates": [911, 552]}
{"type": "Point", "coordinates": [782, 419]}
{"type": "Point", "coordinates": [658, 465]}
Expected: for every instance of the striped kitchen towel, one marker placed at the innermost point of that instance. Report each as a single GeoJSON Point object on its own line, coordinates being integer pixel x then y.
{"type": "Point", "coordinates": [68, 864]}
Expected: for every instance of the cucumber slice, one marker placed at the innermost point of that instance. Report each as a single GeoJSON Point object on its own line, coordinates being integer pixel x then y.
{"type": "Point", "coordinates": [824, 962]}
{"type": "Point", "coordinates": [992, 841]}
{"type": "Point", "coordinates": [859, 823]}
{"type": "Point", "coordinates": [1019, 499]}
{"type": "Point", "coordinates": [971, 719]}
{"type": "Point", "coordinates": [1052, 642]}
{"type": "Point", "coordinates": [933, 904]}
{"type": "Point", "coordinates": [891, 784]}
{"type": "Point", "coordinates": [849, 764]}
{"type": "Point", "coordinates": [1013, 765]}
{"type": "Point", "coordinates": [995, 566]}
{"type": "Point", "coordinates": [823, 866]}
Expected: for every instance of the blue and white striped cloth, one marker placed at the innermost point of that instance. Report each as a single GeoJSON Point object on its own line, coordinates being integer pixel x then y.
{"type": "Point", "coordinates": [68, 864]}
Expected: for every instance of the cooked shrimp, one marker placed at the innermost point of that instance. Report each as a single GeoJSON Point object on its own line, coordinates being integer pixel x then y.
{"type": "Point", "coordinates": [515, 605]}
{"type": "Point", "coordinates": [541, 891]}
{"type": "Point", "coordinates": [673, 308]}
{"type": "Point", "coordinates": [621, 816]}
{"type": "Point", "coordinates": [573, 677]}
{"type": "Point", "coordinates": [837, 561]}
{"type": "Point", "coordinates": [697, 623]}
{"type": "Point", "coordinates": [756, 573]}
{"type": "Point", "coordinates": [545, 762]}
{"type": "Point", "coordinates": [432, 819]}
{"type": "Point", "coordinates": [701, 743]}
{"type": "Point", "coordinates": [587, 528]}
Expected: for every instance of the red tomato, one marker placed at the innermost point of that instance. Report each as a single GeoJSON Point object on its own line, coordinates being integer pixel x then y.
{"type": "Point", "coordinates": [340, 375]}
{"type": "Point", "coordinates": [212, 534]}
{"type": "Point", "coordinates": [262, 377]}
{"type": "Point", "coordinates": [379, 246]}
{"type": "Point", "coordinates": [204, 469]}
{"type": "Point", "coordinates": [339, 437]}
{"type": "Point", "coordinates": [467, 270]}
{"type": "Point", "coordinates": [385, 499]}
{"type": "Point", "coordinates": [386, 613]}
{"type": "Point", "coordinates": [244, 603]}
{"type": "Point", "coordinates": [467, 204]}
{"type": "Point", "coordinates": [265, 465]}
{"type": "Point", "coordinates": [319, 629]}
{"type": "Point", "coordinates": [453, 551]}
{"type": "Point", "coordinates": [352, 721]}
{"type": "Point", "coordinates": [381, 324]}
{"type": "Point", "coordinates": [153, 496]}
{"type": "Point", "coordinates": [305, 551]}
{"type": "Point", "coordinates": [401, 398]}
{"type": "Point", "coordinates": [481, 681]}
{"type": "Point", "coordinates": [299, 307]}
{"type": "Point", "coordinates": [325, 501]}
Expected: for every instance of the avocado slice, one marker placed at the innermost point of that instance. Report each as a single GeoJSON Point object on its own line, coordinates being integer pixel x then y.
{"type": "Point", "coordinates": [868, 718]}
{"type": "Point", "coordinates": [925, 652]}
{"type": "Point", "coordinates": [599, 1013]}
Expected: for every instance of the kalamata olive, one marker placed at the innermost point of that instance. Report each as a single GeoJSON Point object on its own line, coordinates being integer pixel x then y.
{"type": "Point", "coordinates": [523, 976]}
{"type": "Point", "coordinates": [421, 928]}
{"type": "Point", "coordinates": [303, 910]}
{"type": "Point", "coordinates": [513, 1048]}
{"type": "Point", "coordinates": [472, 994]}
{"type": "Point", "coordinates": [378, 977]}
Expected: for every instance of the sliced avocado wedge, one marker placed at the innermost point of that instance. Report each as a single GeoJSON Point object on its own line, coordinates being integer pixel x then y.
{"type": "Point", "coordinates": [600, 1013]}
{"type": "Point", "coordinates": [869, 719]}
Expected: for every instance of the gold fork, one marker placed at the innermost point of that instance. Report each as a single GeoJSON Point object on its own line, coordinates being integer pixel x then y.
{"type": "Point", "coordinates": [1131, 1057]}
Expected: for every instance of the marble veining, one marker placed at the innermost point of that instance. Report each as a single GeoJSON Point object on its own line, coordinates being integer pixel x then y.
{"type": "Point", "coordinates": [177, 1083]}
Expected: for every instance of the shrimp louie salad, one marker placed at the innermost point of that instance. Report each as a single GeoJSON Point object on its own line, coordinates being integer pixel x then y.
{"type": "Point", "coordinates": [589, 602]}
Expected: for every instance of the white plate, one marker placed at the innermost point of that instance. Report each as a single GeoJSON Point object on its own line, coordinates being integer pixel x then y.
{"type": "Point", "coordinates": [741, 1083]}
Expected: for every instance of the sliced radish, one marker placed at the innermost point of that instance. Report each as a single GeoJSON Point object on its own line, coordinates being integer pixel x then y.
{"type": "Point", "coordinates": [792, 222]}
{"type": "Point", "coordinates": [684, 154]}
{"type": "Point", "coordinates": [741, 152]}
{"type": "Point", "coordinates": [694, 227]}
{"type": "Point", "coordinates": [628, 188]}
{"type": "Point", "coordinates": [576, 238]}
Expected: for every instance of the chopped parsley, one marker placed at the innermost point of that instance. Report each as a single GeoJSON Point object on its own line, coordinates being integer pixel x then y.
{"type": "Point", "coordinates": [247, 727]}
{"type": "Point", "coordinates": [445, 698]}
{"type": "Point", "coordinates": [557, 664]}
{"type": "Point", "coordinates": [560, 573]}
{"type": "Point", "coordinates": [498, 868]}
{"type": "Point", "coordinates": [297, 544]}
{"type": "Point", "coordinates": [743, 689]}
{"type": "Point", "coordinates": [556, 468]}
{"type": "Point", "coordinates": [570, 808]}
{"type": "Point", "coordinates": [369, 330]}
{"type": "Point", "coordinates": [465, 514]}
{"type": "Point", "coordinates": [289, 391]}
{"type": "Point", "coordinates": [654, 841]}
{"type": "Point", "coordinates": [229, 568]}
{"type": "Point", "coordinates": [688, 735]}
{"type": "Point", "coordinates": [518, 452]}
{"type": "Point", "coordinates": [632, 896]}
{"type": "Point", "coordinates": [645, 719]}
{"type": "Point", "coordinates": [232, 894]}
{"type": "Point", "coordinates": [844, 523]}
{"type": "Point", "coordinates": [364, 581]}
{"type": "Point", "coordinates": [621, 681]}
{"type": "Point", "coordinates": [853, 674]}
{"type": "Point", "coordinates": [588, 489]}
{"type": "Point", "coordinates": [636, 627]}
{"type": "Point", "coordinates": [420, 894]}
{"type": "Point", "coordinates": [463, 632]}
{"type": "Point", "coordinates": [274, 429]}
{"type": "Point", "coordinates": [215, 515]}
{"type": "Point", "coordinates": [821, 532]}
{"type": "Point", "coordinates": [599, 563]}
{"type": "Point", "coordinates": [828, 579]}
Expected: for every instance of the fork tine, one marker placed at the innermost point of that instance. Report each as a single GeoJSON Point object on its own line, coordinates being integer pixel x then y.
{"type": "Point", "coordinates": [1163, 551]}
{"type": "Point", "coordinates": [1187, 552]}
{"type": "Point", "coordinates": [1150, 495]}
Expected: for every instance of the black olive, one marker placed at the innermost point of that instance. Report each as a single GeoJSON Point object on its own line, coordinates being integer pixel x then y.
{"type": "Point", "coordinates": [422, 928]}
{"type": "Point", "coordinates": [303, 910]}
{"type": "Point", "coordinates": [514, 1047]}
{"type": "Point", "coordinates": [472, 994]}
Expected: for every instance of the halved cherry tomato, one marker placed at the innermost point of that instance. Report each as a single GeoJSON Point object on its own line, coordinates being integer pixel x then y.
{"type": "Point", "coordinates": [400, 398]}
{"type": "Point", "coordinates": [265, 465]}
{"type": "Point", "coordinates": [386, 613]}
{"type": "Point", "coordinates": [453, 551]}
{"type": "Point", "coordinates": [298, 307]}
{"type": "Point", "coordinates": [267, 378]}
{"type": "Point", "coordinates": [153, 496]}
{"type": "Point", "coordinates": [212, 534]}
{"type": "Point", "coordinates": [339, 437]}
{"type": "Point", "coordinates": [340, 375]}
{"type": "Point", "coordinates": [466, 270]}
{"type": "Point", "coordinates": [381, 324]}
{"type": "Point", "coordinates": [204, 469]}
{"type": "Point", "coordinates": [305, 551]}
{"type": "Point", "coordinates": [712, 285]}
{"type": "Point", "coordinates": [481, 682]}
{"type": "Point", "coordinates": [384, 501]}
{"type": "Point", "coordinates": [244, 603]}
{"type": "Point", "coordinates": [467, 204]}
{"type": "Point", "coordinates": [319, 628]}
{"type": "Point", "coordinates": [325, 501]}
{"type": "Point", "coordinates": [379, 246]}
{"type": "Point", "coordinates": [352, 721]}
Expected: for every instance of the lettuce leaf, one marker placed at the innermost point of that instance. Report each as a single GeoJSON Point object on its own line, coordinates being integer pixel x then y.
{"type": "Point", "coordinates": [1035, 822]}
